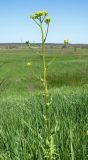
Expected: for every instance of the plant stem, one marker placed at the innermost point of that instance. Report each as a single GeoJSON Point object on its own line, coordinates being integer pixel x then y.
{"type": "Point", "coordinates": [45, 88]}
{"type": "Point", "coordinates": [44, 71]}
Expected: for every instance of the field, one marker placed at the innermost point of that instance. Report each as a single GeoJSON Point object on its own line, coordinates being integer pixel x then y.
{"type": "Point", "coordinates": [22, 132]}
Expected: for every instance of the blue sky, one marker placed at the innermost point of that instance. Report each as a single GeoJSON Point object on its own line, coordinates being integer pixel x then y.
{"type": "Point", "coordinates": [69, 20]}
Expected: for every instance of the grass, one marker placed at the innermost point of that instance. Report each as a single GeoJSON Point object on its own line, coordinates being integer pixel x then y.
{"type": "Point", "coordinates": [68, 69]}
{"type": "Point", "coordinates": [22, 132]}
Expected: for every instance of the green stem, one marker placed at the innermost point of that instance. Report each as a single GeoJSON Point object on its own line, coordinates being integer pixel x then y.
{"type": "Point", "coordinates": [36, 22]}
{"type": "Point", "coordinates": [46, 33]}
{"type": "Point", "coordinates": [44, 71]}
{"type": "Point", "coordinates": [44, 63]}
{"type": "Point", "coordinates": [45, 87]}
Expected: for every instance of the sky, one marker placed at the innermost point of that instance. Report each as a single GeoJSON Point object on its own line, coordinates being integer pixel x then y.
{"type": "Point", "coordinates": [69, 20]}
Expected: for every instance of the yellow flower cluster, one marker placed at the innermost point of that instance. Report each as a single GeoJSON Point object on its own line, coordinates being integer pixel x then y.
{"type": "Point", "coordinates": [38, 14]}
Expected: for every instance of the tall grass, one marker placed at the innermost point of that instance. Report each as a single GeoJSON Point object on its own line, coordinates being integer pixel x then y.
{"type": "Point", "coordinates": [22, 130]}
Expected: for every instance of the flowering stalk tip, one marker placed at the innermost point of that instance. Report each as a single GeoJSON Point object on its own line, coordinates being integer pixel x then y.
{"type": "Point", "coordinates": [38, 14]}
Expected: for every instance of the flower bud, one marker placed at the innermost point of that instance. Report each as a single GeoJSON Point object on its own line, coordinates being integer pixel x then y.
{"type": "Point", "coordinates": [29, 64]}
{"type": "Point", "coordinates": [47, 20]}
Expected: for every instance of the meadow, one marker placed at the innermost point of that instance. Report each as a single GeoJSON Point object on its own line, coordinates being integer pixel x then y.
{"type": "Point", "coordinates": [22, 132]}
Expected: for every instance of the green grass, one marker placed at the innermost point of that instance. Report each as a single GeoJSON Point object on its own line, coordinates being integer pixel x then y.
{"type": "Point", "coordinates": [68, 69]}
{"type": "Point", "coordinates": [22, 132]}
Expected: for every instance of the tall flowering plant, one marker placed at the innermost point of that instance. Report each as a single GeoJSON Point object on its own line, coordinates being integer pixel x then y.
{"type": "Point", "coordinates": [41, 18]}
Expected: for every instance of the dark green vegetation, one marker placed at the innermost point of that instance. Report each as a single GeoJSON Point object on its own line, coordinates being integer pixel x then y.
{"type": "Point", "coordinates": [21, 122]}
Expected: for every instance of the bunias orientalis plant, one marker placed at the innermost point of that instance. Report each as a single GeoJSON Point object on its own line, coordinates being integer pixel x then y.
{"type": "Point", "coordinates": [41, 18]}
